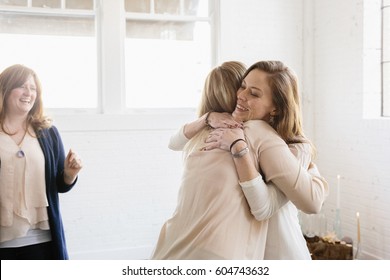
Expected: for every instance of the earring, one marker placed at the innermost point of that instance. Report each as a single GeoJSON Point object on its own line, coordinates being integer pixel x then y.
{"type": "Point", "coordinates": [271, 120]}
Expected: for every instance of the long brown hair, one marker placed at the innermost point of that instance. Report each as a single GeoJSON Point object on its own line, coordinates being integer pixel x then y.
{"type": "Point", "coordinates": [285, 96]}
{"type": "Point", "coordinates": [13, 77]}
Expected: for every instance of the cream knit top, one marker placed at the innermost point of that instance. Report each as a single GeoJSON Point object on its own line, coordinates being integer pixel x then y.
{"type": "Point", "coordinates": [23, 202]}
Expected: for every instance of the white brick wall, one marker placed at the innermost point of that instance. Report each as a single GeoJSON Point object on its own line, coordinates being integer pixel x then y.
{"type": "Point", "coordinates": [127, 189]}
{"type": "Point", "coordinates": [356, 148]}
{"type": "Point", "coordinates": [129, 185]}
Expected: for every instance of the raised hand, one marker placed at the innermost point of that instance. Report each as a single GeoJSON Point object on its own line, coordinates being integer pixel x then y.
{"type": "Point", "coordinates": [72, 167]}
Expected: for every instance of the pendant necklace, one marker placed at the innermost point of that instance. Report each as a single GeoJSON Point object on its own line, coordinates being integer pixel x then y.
{"type": "Point", "coordinates": [20, 153]}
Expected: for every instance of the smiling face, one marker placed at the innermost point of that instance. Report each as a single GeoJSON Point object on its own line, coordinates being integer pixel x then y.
{"type": "Point", "coordinates": [21, 99]}
{"type": "Point", "coordinates": [254, 98]}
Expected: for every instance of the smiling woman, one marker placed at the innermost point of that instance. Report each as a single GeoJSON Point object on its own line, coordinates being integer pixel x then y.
{"type": "Point", "coordinates": [21, 100]}
{"type": "Point", "coordinates": [34, 170]}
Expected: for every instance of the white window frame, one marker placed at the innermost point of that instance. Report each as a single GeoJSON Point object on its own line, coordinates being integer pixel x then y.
{"type": "Point", "coordinates": [372, 93]}
{"type": "Point", "coordinates": [111, 64]}
{"type": "Point", "coordinates": [112, 113]}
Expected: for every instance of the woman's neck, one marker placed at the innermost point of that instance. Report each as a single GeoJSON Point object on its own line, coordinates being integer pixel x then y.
{"type": "Point", "coordinates": [15, 123]}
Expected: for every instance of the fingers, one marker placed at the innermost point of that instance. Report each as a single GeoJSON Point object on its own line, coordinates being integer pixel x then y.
{"type": "Point", "coordinates": [68, 155]}
{"type": "Point", "coordinates": [73, 161]}
{"type": "Point", "coordinates": [214, 136]}
{"type": "Point", "coordinates": [229, 124]}
{"type": "Point", "coordinates": [223, 120]}
{"type": "Point", "coordinates": [233, 124]}
{"type": "Point", "coordinates": [210, 146]}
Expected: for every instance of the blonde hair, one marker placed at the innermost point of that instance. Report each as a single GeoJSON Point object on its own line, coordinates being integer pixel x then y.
{"type": "Point", "coordinates": [14, 77]}
{"type": "Point", "coordinates": [220, 88]}
{"type": "Point", "coordinates": [219, 95]}
{"type": "Point", "coordinates": [285, 96]}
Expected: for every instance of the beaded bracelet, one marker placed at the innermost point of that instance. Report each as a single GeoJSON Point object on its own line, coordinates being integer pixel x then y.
{"type": "Point", "coordinates": [241, 153]}
{"type": "Point", "coordinates": [234, 142]}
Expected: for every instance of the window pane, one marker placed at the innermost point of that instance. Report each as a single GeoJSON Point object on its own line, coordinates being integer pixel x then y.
{"type": "Point", "coordinates": [196, 8]}
{"type": "Point", "coordinates": [13, 2]}
{"type": "Point", "coordinates": [62, 50]}
{"type": "Point", "coordinates": [386, 89]}
{"type": "Point", "coordinates": [47, 3]}
{"type": "Point", "coordinates": [171, 7]}
{"type": "Point", "coordinates": [137, 6]}
{"type": "Point", "coordinates": [45, 25]}
{"type": "Point", "coordinates": [77, 4]}
{"type": "Point", "coordinates": [160, 30]}
{"type": "Point", "coordinates": [175, 54]}
{"type": "Point", "coordinates": [167, 73]}
{"type": "Point", "coordinates": [386, 34]}
{"type": "Point", "coordinates": [386, 60]}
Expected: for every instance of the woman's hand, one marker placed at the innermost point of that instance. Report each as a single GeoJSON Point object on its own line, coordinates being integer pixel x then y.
{"type": "Point", "coordinates": [222, 120]}
{"type": "Point", "coordinates": [222, 138]}
{"type": "Point", "coordinates": [212, 119]}
{"type": "Point", "coordinates": [72, 167]}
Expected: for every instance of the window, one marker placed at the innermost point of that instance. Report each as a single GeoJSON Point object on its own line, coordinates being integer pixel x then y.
{"type": "Point", "coordinates": [168, 52]}
{"type": "Point", "coordinates": [56, 38]}
{"type": "Point", "coordinates": [386, 58]}
{"type": "Point", "coordinates": [111, 56]}
{"type": "Point", "coordinates": [372, 60]}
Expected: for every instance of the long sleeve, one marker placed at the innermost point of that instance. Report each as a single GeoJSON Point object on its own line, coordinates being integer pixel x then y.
{"type": "Point", "coordinates": [53, 151]}
{"type": "Point", "coordinates": [178, 140]}
{"type": "Point", "coordinates": [307, 189]}
{"type": "Point", "coordinates": [264, 199]}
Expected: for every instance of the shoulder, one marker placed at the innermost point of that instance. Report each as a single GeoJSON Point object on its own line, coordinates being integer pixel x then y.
{"type": "Point", "coordinates": [258, 124]}
{"type": "Point", "coordinates": [49, 133]}
{"type": "Point", "coordinates": [300, 148]}
{"type": "Point", "coordinates": [261, 129]}
{"type": "Point", "coordinates": [303, 152]}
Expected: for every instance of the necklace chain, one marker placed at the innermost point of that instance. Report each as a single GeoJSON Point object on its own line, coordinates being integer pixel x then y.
{"type": "Point", "coordinates": [19, 153]}
{"type": "Point", "coordinates": [21, 141]}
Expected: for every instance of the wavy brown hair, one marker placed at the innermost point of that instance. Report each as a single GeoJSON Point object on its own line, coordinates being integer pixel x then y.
{"type": "Point", "coordinates": [285, 96]}
{"type": "Point", "coordinates": [14, 77]}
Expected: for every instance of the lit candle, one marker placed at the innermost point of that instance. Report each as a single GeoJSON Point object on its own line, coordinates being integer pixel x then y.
{"type": "Point", "coordinates": [358, 226]}
{"type": "Point", "coordinates": [338, 192]}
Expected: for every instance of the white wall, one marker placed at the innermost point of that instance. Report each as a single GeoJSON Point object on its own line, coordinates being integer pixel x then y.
{"type": "Point", "coordinates": [127, 188]}
{"type": "Point", "coordinates": [129, 185]}
{"type": "Point", "coordinates": [355, 147]}
{"type": "Point", "coordinates": [254, 30]}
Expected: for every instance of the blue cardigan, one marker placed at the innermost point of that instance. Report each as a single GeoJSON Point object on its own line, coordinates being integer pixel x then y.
{"type": "Point", "coordinates": [53, 150]}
